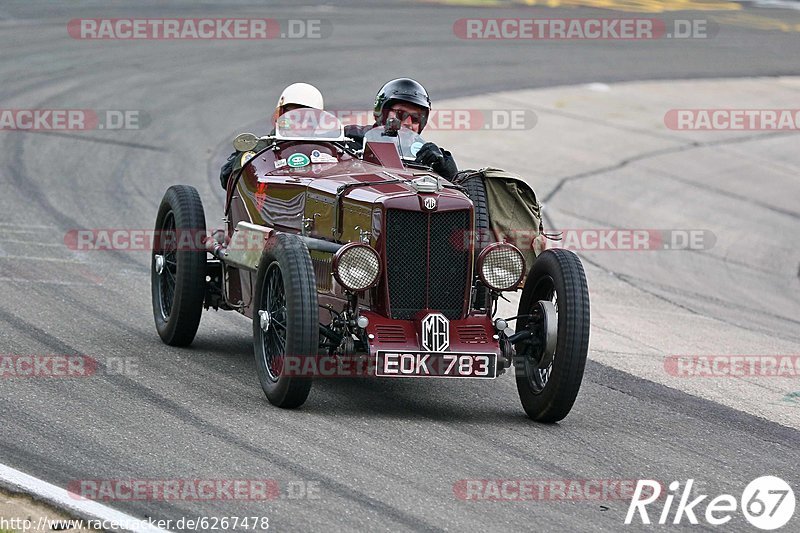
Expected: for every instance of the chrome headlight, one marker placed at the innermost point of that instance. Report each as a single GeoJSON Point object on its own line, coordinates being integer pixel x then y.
{"type": "Point", "coordinates": [356, 266]}
{"type": "Point", "coordinates": [501, 266]}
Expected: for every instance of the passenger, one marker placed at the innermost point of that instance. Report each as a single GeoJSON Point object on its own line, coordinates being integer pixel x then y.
{"type": "Point", "coordinates": [295, 96]}
{"type": "Point", "coordinates": [407, 100]}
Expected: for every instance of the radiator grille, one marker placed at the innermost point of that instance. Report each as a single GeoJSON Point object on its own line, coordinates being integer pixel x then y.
{"type": "Point", "coordinates": [412, 285]}
{"type": "Point", "coordinates": [323, 269]}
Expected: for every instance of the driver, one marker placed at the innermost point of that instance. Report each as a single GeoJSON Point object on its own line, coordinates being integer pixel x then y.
{"type": "Point", "coordinates": [406, 100]}
{"type": "Point", "coordinates": [295, 96]}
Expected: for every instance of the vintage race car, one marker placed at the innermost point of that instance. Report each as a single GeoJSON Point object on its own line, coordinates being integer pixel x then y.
{"type": "Point", "coordinates": [363, 261]}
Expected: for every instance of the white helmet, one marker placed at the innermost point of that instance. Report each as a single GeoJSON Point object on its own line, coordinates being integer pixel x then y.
{"type": "Point", "coordinates": [303, 94]}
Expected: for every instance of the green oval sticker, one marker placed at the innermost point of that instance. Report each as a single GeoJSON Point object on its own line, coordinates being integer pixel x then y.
{"type": "Point", "coordinates": [298, 160]}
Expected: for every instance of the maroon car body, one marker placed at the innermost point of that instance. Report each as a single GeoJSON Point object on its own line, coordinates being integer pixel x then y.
{"type": "Point", "coordinates": [364, 255]}
{"type": "Point", "coordinates": [411, 286]}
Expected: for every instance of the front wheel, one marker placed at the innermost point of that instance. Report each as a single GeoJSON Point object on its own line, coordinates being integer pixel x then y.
{"type": "Point", "coordinates": [285, 319]}
{"type": "Point", "coordinates": [177, 266]}
{"type": "Point", "coordinates": [549, 377]}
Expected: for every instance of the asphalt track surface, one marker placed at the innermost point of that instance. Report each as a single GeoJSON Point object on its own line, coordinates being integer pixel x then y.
{"type": "Point", "coordinates": [385, 454]}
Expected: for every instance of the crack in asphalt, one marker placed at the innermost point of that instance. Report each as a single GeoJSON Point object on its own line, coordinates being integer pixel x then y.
{"type": "Point", "coordinates": [86, 138]}
{"type": "Point", "coordinates": [629, 280]}
{"type": "Point", "coordinates": [705, 253]}
{"type": "Point", "coordinates": [714, 299]}
{"type": "Point", "coordinates": [739, 197]}
{"type": "Point", "coordinates": [582, 118]}
{"type": "Point", "coordinates": [655, 153]}
{"type": "Point", "coordinates": [658, 352]}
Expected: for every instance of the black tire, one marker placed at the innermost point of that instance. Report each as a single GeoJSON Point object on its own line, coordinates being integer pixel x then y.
{"type": "Point", "coordinates": [548, 391]}
{"type": "Point", "coordinates": [287, 289]}
{"type": "Point", "coordinates": [178, 291]}
{"type": "Point", "coordinates": [483, 235]}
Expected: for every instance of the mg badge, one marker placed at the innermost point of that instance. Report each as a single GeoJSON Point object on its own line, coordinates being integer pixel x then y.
{"type": "Point", "coordinates": [435, 333]}
{"type": "Point", "coordinates": [430, 203]}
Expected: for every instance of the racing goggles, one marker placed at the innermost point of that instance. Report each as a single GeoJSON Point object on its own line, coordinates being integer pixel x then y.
{"type": "Point", "coordinates": [416, 118]}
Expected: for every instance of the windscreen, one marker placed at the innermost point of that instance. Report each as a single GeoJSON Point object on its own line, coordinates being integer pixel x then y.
{"type": "Point", "coordinates": [309, 125]}
{"type": "Point", "coordinates": [405, 140]}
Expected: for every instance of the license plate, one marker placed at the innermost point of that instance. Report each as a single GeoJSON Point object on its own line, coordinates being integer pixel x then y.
{"type": "Point", "coordinates": [404, 364]}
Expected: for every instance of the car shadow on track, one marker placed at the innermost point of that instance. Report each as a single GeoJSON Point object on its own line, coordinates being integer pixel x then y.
{"type": "Point", "coordinates": [457, 400]}
{"type": "Point", "coordinates": [418, 399]}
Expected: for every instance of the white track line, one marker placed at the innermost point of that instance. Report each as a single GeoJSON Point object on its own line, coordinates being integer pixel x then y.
{"type": "Point", "coordinates": [17, 481]}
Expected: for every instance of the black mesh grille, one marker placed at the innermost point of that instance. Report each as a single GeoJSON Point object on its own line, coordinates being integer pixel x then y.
{"type": "Point", "coordinates": [406, 261]}
{"type": "Point", "coordinates": [449, 262]}
{"type": "Point", "coordinates": [407, 258]}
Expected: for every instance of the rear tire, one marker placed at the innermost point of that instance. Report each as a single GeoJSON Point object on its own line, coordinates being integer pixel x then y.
{"type": "Point", "coordinates": [548, 390]}
{"type": "Point", "coordinates": [286, 291]}
{"type": "Point", "coordinates": [483, 233]}
{"type": "Point", "coordinates": [177, 266]}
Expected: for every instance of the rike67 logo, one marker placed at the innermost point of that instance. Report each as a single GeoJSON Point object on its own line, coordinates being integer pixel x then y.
{"type": "Point", "coordinates": [767, 503]}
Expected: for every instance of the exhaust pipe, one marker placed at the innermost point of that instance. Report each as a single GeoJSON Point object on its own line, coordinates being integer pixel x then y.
{"type": "Point", "coordinates": [245, 247]}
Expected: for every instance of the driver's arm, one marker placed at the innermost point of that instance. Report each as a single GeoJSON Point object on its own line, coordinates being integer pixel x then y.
{"type": "Point", "coordinates": [226, 170]}
{"type": "Point", "coordinates": [234, 163]}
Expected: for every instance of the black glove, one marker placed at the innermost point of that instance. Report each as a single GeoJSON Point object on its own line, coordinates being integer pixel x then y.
{"type": "Point", "coordinates": [448, 168]}
{"type": "Point", "coordinates": [430, 155]}
{"type": "Point", "coordinates": [439, 160]}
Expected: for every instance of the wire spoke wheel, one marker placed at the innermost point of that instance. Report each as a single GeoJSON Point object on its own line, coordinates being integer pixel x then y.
{"type": "Point", "coordinates": [273, 311]}
{"type": "Point", "coordinates": [167, 269]}
{"type": "Point", "coordinates": [285, 319]}
{"type": "Point", "coordinates": [177, 276]}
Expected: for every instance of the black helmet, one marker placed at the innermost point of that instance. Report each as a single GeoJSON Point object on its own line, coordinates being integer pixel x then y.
{"type": "Point", "coordinates": [405, 90]}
